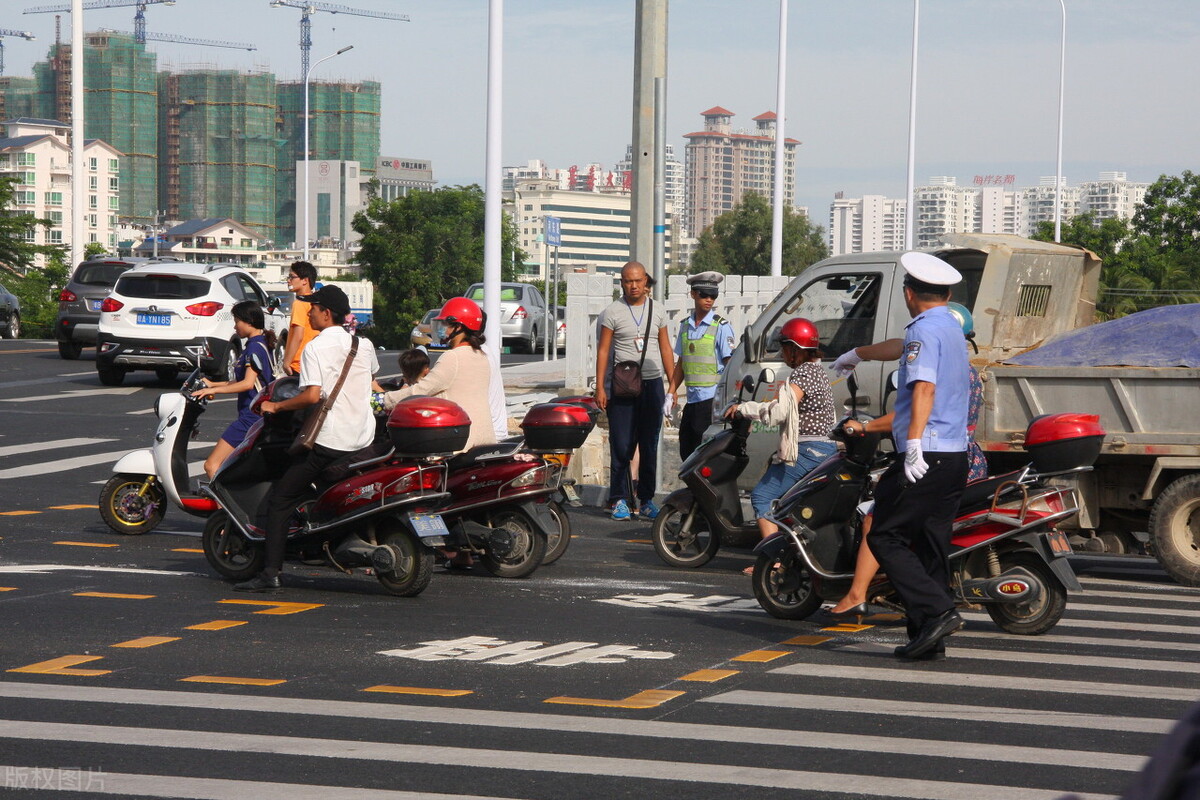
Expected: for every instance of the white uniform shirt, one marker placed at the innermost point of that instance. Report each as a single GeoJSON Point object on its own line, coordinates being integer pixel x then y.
{"type": "Point", "coordinates": [350, 425]}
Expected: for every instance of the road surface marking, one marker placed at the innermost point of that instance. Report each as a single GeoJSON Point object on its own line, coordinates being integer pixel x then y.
{"type": "Point", "coordinates": [807, 640]}
{"type": "Point", "coordinates": [62, 666]}
{"type": "Point", "coordinates": [75, 507]}
{"type": "Point", "coordinates": [146, 641]}
{"type": "Point", "coordinates": [17, 513]}
{"type": "Point", "coordinates": [276, 608]}
{"type": "Point", "coordinates": [114, 596]}
{"type": "Point", "coordinates": [56, 444]}
{"type": "Point", "coordinates": [640, 541]}
{"type": "Point", "coordinates": [419, 690]}
{"type": "Point", "coordinates": [1090, 662]}
{"type": "Point", "coordinates": [88, 544]}
{"type": "Point", "coordinates": [232, 680]}
{"type": "Point", "coordinates": [186, 550]}
{"type": "Point", "coordinates": [651, 698]}
{"type": "Point", "coordinates": [41, 569]}
{"type": "Point", "coordinates": [496, 651]}
{"type": "Point", "coordinates": [761, 655]}
{"type": "Point", "coordinates": [709, 675]}
{"type": "Point", "coordinates": [74, 394]}
{"type": "Point", "coordinates": [847, 627]}
{"type": "Point", "coordinates": [8, 588]}
{"type": "Point", "coordinates": [62, 465]}
{"type": "Point", "coordinates": [1075, 641]}
{"type": "Point", "coordinates": [216, 625]}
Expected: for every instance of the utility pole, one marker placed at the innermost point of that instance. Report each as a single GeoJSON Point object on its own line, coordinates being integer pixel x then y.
{"type": "Point", "coordinates": [649, 63]}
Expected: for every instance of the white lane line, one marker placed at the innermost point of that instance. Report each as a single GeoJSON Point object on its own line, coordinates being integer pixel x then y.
{"type": "Point", "coordinates": [1076, 641]}
{"type": "Point", "coordinates": [1026, 657]}
{"type": "Point", "coordinates": [1109, 625]}
{"type": "Point", "coordinates": [1151, 588]}
{"type": "Point", "coordinates": [524, 721]}
{"type": "Point", "coordinates": [56, 444]}
{"type": "Point", "coordinates": [125, 783]}
{"type": "Point", "coordinates": [73, 394]}
{"type": "Point", "coordinates": [974, 713]}
{"type": "Point", "coordinates": [62, 465]}
{"type": "Point", "coordinates": [907, 673]}
{"type": "Point", "coordinates": [1139, 610]}
{"type": "Point", "coordinates": [1158, 597]}
{"type": "Point", "coordinates": [526, 761]}
{"type": "Point", "coordinates": [42, 569]}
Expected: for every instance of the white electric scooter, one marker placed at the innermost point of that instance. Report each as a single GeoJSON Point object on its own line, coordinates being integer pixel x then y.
{"type": "Point", "coordinates": [134, 500]}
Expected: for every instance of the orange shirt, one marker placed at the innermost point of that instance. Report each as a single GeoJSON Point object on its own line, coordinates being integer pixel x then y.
{"type": "Point", "coordinates": [300, 317]}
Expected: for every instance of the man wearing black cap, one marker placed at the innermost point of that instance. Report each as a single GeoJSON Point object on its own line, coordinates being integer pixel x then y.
{"type": "Point", "coordinates": [702, 347]}
{"type": "Point", "coordinates": [349, 426]}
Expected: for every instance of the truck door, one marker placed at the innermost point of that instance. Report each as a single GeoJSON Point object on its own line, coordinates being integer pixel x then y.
{"type": "Point", "coordinates": [849, 308]}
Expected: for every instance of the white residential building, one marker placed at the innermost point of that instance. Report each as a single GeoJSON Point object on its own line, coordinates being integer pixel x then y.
{"type": "Point", "coordinates": [37, 153]}
{"type": "Point", "coordinates": [1111, 197]}
{"type": "Point", "coordinates": [865, 224]}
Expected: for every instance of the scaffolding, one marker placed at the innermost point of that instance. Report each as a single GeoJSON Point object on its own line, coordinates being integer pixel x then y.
{"type": "Point", "coordinates": [343, 126]}
{"type": "Point", "coordinates": [18, 97]}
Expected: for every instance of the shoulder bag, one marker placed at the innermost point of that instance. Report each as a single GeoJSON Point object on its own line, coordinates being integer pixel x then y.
{"type": "Point", "coordinates": [306, 439]}
{"type": "Point", "coordinates": [627, 375]}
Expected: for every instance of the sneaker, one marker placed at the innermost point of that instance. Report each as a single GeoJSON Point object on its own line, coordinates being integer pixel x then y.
{"type": "Point", "coordinates": [649, 510]}
{"type": "Point", "coordinates": [620, 510]}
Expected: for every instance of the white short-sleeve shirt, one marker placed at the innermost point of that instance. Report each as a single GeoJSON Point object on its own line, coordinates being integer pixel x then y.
{"type": "Point", "coordinates": [350, 424]}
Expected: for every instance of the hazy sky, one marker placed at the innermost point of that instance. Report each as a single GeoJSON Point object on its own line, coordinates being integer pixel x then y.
{"type": "Point", "coordinates": [987, 82]}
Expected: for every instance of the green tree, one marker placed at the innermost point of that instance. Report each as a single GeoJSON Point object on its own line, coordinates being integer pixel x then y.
{"type": "Point", "coordinates": [16, 253]}
{"type": "Point", "coordinates": [421, 249]}
{"type": "Point", "coordinates": [36, 288]}
{"type": "Point", "coordinates": [739, 241]}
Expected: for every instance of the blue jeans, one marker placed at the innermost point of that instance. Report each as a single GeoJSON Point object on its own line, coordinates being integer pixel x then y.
{"type": "Point", "coordinates": [780, 477]}
{"type": "Point", "coordinates": [634, 423]}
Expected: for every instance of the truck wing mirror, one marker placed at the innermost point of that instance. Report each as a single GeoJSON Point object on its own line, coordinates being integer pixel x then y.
{"type": "Point", "coordinates": [893, 384]}
{"type": "Point", "coordinates": [767, 375]}
{"type": "Point", "coordinates": [752, 346]}
{"type": "Point", "coordinates": [748, 385]}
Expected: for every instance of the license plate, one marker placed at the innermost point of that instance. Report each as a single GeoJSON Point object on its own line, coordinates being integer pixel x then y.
{"type": "Point", "coordinates": [1059, 545]}
{"type": "Point", "coordinates": [95, 304]}
{"type": "Point", "coordinates": [153, 319]}
{"type": "Point", "coordinates": [428, 525]}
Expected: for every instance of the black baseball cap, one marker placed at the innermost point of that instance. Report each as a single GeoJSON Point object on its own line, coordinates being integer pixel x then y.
{"type": "Point", "coordinates": [332, 298]}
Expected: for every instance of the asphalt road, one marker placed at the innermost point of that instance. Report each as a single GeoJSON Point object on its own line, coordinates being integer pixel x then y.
{"type": "Point", "coordinates": [129, 669]}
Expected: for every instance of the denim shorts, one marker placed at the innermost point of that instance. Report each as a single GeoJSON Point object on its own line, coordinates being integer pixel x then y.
{"type": "Point", "coordinates": [780, 477]}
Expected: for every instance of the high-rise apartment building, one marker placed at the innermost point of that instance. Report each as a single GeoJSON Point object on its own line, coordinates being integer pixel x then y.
{"type": "Point", "coordinates": [674, 190]}
{"type": "Point", "coordinates": [866, 224]}
{"type": "Point", "coordinates": [722, 165]}
{"type": "Point", "coordinates": [37, 154]}
{"type": "Point", "coordinates": [1113, 196]}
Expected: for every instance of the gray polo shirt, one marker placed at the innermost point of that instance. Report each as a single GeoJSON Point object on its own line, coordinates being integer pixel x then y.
{"type": "Point", "coordinates": [628, 324]}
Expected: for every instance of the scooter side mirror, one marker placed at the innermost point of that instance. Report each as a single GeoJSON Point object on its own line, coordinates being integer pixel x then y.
{"type": "Point", "coordinates": [751, 347]}
{"type": "Point", "coordinates": [748, 385]}
{"type": "Point", "coordinates": [766, 376]}
{"type": "Point", "coordinates": [893, 385]}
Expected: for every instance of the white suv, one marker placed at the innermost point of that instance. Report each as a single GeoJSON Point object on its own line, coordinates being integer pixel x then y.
{"type": "Point", "coordinates": [173, 317]}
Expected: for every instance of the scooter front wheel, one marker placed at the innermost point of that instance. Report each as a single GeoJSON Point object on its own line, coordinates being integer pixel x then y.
{"type": "Point", "coordinates": [784, 587]}
{"type": "Point", "coordinates": [680, 543]}
{"type": "Point", "coordinates": [411, 562]}
{"type": "Point", "coordinates": [1035, 616]}
{"type": "Point", "coordinates": [132, 505]}
{"type": "Point", "coordinates": [556, 543]}
{"type": "Point", "coordinates": [228, 551]}
{"type": "Point", "coordinates": [516, 547]}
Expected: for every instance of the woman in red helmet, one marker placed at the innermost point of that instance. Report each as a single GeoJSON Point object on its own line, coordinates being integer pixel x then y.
{"type": "Point", "coordinates": [462, 373]}
{"type": "Point", "coordinates": [805, 416]}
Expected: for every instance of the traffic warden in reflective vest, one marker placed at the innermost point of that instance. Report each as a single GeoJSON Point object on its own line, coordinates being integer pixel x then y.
{"type": "Point", "coordinates": [917, 497]}
{"type": "Point", "coordinates": [703, 346]}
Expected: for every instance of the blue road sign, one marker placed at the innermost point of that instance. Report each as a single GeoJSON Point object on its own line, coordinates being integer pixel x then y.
{"type": "Point", "coordinates": [554, 231]}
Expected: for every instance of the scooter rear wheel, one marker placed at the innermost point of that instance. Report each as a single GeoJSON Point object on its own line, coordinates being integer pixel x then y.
{"type": "Point", "coordinates": [1036, 616]}
{"type": "Point", "coordinates": [413, 562]}
{"type": "Point", "coordinates": [556, 543]}
{"type": "Point", "coordinates": [690, 549]}
{"type": "Point", "coordinates": [527, 550]}
{"type": "Point", "coordinates": [784, 587]}
{"type": "Point", "coordinates": [228, 551]}
{"type": "Point", "coordinates": [126, 509]}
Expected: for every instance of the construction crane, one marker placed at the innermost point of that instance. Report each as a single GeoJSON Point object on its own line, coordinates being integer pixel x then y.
{"type": "Point", "coordinates": [139, 19]}
{"type": "Point", "coordinates": [26, 35]}
{"type": "Point", "coordinates": [308, 9]}
{"type": "Point", "coordinates": [170, 37]}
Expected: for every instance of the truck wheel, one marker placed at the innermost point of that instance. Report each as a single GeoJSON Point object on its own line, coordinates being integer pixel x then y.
{"type": "Point", "coordinates": [70, 351]}
{"type": "Point", "coordinates": [1175, 529]}
{"type": "Point", "coordinates": [1036, 616]}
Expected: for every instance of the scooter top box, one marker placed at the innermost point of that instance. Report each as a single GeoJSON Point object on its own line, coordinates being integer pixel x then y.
{"type": "Point", "coordinates": [1059, 442]}
{"type": "Point", "coordinates": [587, 401]}
{"type": "Point", "coordinates": [556, 427]}
{"type": "Point", "coordinates": [428, 426]}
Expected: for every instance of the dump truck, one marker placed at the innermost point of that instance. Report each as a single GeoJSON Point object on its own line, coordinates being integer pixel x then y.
{"type": "Point", "coordinates": [1145, 488]}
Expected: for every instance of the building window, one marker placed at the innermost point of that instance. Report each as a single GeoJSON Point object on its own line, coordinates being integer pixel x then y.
{"type": "Point", "coordinates": [92, 220]}
{"type": "Point", "coordinates": [92, 201]}
{"type": "Point", "coordinates": [114, 165]}
{"type": "Point", "coordinates": [92, 182]}
{"type": "Point", "coordinates": [30, 235]}
{"type": "Point", "coordinates": [114, 184]}
{"type": "Point", "coordinates": [114, 203]}
{"type": "Point", "coordinates": [56, 217]}
{"type": "Point", "coordinates": [92, 164]}
{"type": "Point", "coordinates": [56, 237]}
{"type": "Point", "coordinates": [25, 159]}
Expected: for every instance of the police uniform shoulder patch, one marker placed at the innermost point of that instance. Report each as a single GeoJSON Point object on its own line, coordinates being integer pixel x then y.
{"type": "Point", "coordinates": [911, 351]}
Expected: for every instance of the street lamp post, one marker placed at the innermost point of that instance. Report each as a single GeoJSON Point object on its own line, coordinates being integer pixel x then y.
{"type": "Point", "coordinates": [1058, 167]}
{"type": "Point", "coordinates": [308, 73]}
{"type": "Point", "coordinates": [910, 212]}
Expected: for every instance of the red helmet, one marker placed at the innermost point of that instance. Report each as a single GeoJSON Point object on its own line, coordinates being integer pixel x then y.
{"type": "Point", "coordinates": [801, 333]}
{"type": "Point", "coordinates": [461, 311]}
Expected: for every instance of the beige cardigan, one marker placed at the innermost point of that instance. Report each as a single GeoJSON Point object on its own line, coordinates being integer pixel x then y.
{"type": "Point", "coordinates": [782, 412]}
{"type": "Point", "coordinates": [461, 375]}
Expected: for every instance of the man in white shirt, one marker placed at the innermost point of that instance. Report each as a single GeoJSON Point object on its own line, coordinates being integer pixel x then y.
{"type": "Point", "coordinates": [349, 426]}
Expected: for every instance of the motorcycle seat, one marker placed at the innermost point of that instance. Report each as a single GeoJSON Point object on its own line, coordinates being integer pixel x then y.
{"type": "Point", "coordinates": [979, 494]}
{"type": "Point", "coordinates": [483, 452]}
{"type": "Point", "coordinates": [377, 451]}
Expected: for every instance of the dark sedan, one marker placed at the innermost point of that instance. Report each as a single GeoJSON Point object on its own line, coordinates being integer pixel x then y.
{"type": "Point", "coordinates": [10, 314]}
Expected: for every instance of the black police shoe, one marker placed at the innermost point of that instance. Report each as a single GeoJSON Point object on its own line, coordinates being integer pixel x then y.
{"type": "Point", "coordinates": [259, 583]}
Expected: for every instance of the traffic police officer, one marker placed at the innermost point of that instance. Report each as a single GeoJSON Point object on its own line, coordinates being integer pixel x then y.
{"type": "Point", "coordinates": [917, 498]}
{"type": "Point", "coordinates": [703, 346]}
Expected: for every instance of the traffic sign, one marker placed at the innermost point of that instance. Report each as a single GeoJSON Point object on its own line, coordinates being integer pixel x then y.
{"type": "Point", "coordinates": [554, 231]}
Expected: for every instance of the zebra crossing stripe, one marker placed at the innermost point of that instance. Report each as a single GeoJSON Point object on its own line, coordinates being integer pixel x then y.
{"type": "Point", "coordinates": [1076, 641]}
{"type": "Point", "coordinates": [1071, 660]}
{"type": "Point", "coordinates": [57, 444]}
{"type": "Point", "coordinates": [560, 763]}
{"type": "Point", "coordinates": [1158, 596]}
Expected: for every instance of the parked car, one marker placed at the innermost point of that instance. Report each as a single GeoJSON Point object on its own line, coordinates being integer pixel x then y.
{"type": "Point", "coordinates": [522, 314]}
{"type": "Point", "coordinates": [560, 335]}
{"type": "Point", "coordinates": [10, 314]}
{"type": "Point", "coordinates": [173, 317]}
{"type": "Point", "coordinates": [422, 332]}
{"type": "Point", "coordinates": [79, 302]}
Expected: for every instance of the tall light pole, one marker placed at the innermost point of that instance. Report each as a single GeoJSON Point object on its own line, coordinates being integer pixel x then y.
{"type": "Point", "coordinates": [777, 196]}
{"type": "Point", "coordinates": [78, 176]}
{"type": "Point", "coordinates": [1062, 83]}
{"type": "Point", "coordinates": [307, 73]}
{"type": "Point", "coordinates": [910, 213]}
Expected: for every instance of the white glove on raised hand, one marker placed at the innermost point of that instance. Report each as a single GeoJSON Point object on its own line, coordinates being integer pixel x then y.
{"type": "Point", "coordinates": [846, 363]}
{"type": "Point", "coordinates": [914, 461]}
{"type": "Point", "coordinates": [668, 405]}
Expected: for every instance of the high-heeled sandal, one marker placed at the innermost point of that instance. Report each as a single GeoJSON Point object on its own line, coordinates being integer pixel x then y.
{"type": "Point", "coordinates": [859, 611]}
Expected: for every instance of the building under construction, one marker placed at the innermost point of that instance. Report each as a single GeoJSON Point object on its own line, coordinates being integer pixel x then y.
{"type": "Point", "coordinates": [343, 126]}
{"type": "Point", "coordinates": [218, 146]}
{"type": "Point", "coordinates": [18, 97]}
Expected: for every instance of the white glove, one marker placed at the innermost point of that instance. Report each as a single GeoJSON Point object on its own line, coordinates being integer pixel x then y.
{"type": "Point", "coordinates": [846, 363]}
{"type": "Point", "coordinates": [914, 461]}
{"type": "Point", "coordinates": [668, 405]}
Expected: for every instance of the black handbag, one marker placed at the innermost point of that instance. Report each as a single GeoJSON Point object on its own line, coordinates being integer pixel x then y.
{"type": "Point", "coordinates": [627, 375]}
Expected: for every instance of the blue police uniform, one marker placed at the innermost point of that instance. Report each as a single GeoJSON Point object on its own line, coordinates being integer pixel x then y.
{"type": "Point", "coordinates": [690, 330]}
{"type": "Point", "coordinates": [706, 343]}
{"type": "Point", "coordinates": [934, 353]}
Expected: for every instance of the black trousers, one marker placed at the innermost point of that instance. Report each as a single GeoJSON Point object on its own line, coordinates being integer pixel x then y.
{"type": "Point", "coordinates": [693, 423]}
{"type": "Point", "coordinates": [911, 533]}
{"type": "Point", "coordinates": [634, 424]}
{"type": "Point", "coordinates": [288, 492]}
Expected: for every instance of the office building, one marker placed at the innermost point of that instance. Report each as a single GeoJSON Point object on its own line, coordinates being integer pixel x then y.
{"type": "Point", "coordinates": [336, 192]}
{"type": "Point", "coordinates": [398, 176]}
